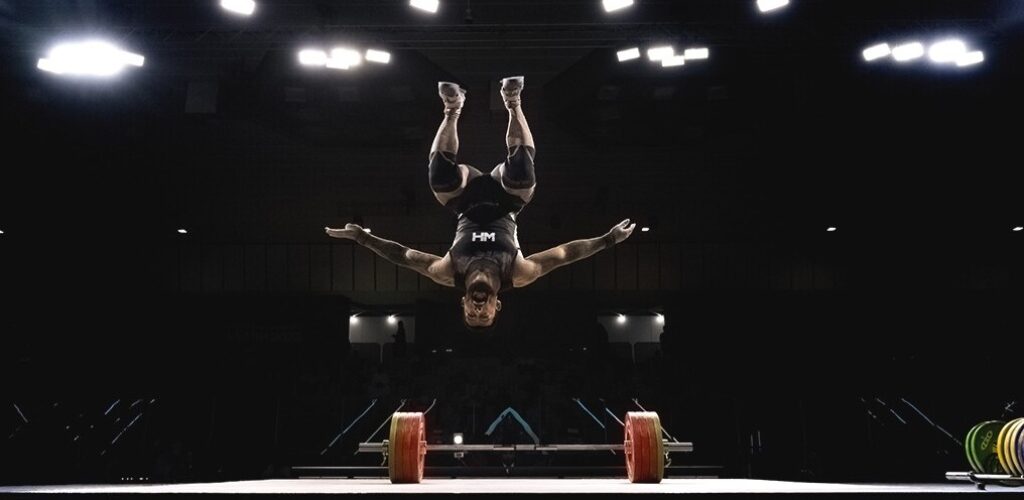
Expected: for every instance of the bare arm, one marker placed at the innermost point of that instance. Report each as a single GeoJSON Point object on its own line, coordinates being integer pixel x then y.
{"type": "Point", "coordinates": [424, 263]}
{"type": "Point", "coordinates": [541, 263]}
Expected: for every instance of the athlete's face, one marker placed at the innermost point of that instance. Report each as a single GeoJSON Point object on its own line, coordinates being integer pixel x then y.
{"type": "Point", "coordinates": [480, 305]}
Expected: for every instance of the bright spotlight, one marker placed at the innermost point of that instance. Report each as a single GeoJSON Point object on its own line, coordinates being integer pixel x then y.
{"type": "Point", "coordinates": [696, 53]}
{"type": "Point", "coordinates": [877, 52]}
{"type": "Point", "coordinates": [344, 58]}
{"type": "Point", "coordinates": [333, 63]}
{"type": "Point", "coordinates": [130, 59]}
{"type": "Point", "coordinates": [378, 56]}
{"type": "Point", "coordinates": [1016, 229]}
{"type": "Point", "coordinates": [644, 229]}
{"type": "Point", "coordinates": [353, 319]}
{"type": "Point", "coordinates": [660, 318]}
{"type": "Point", "coordinates": [392, 319]}
{"type": "Point", "coordinates": [831, 229]}
{"type": "Point", "coordinates": [613, 5]}
{"type": "Point", "coordinates": [49, 66]}
{"type": "Point", "coordinates": [671, 61]}
{"type": "Point", "coordinates": [183, 231]}
{"type": "Point", "coordinates": [90, 58]}
{"type": "Point", "coordinates": [908, 52]}
{"type": "Point", "coordinates": [659, 53]}
{"type": "Point", "coordinates": [312, 57]}
{"type": "Point", "coordinates": [947, 51]}
{"type": "Point", "coordinates": [427, 5]}
{"type": "Point", "coordinates": [770, 5]}
{"type": "Point", "coordinates": [971, 58]}
{"type": "Point", "coordinates": [628, 54]}
{"type": "Point", "coordinates": [621, 319]}
{"type": "Point", "coordinates": [244, 7]}
{"type": "Point", "coordinates": [457, 438]}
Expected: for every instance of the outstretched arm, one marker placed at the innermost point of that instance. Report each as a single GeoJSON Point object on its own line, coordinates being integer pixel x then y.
{"type": "Point", "coordinates": [424, 263]}
{"type": "Point", "coordinates": [541, 263]}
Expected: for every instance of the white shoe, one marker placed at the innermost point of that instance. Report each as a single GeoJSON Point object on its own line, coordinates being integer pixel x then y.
{"type": "Point", "coordinates": [453, 96]}
{"type": "Point", "coordinates": [511, 87]}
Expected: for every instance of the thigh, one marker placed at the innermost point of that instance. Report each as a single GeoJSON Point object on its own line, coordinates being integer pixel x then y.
{"type": "Point", "coordinates": [447, 196]}
{"type": "Point", "coordinates": [517, 173]}
{"type": "Point", "coordinates": [443, 172]}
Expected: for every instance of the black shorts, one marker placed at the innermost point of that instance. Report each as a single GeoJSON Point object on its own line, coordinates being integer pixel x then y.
{"type": "Point", "coordinates": [518, 172]}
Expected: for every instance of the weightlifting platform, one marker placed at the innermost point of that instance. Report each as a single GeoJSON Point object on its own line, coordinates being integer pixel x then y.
{"type": "Point", "coordinates": [494, 489]}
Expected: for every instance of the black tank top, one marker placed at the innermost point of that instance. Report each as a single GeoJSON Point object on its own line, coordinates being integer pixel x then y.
{"type": "Point", "coordinates": [486, 233]}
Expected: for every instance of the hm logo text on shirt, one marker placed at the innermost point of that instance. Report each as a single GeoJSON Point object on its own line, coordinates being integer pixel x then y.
{"type": "Point", "coordinates": [483, 237]}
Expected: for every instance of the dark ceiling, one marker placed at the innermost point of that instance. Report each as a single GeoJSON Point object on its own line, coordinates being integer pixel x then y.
{"type": "Point", "coordinates": [782, 131]}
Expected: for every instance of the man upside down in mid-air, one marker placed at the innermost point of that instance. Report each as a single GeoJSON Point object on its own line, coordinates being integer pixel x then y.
{"type": "Point", "coordinates": [485, 257]}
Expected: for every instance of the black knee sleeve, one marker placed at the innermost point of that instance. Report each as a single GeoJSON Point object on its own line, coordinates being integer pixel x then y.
{"type": "Point", "coordinates": [519, 167]}
{"type": "Point", "coordinates": [444, 172]}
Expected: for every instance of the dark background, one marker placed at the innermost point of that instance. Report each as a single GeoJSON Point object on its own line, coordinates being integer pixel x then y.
{"type": "Point", "coordinates": [231, 341]}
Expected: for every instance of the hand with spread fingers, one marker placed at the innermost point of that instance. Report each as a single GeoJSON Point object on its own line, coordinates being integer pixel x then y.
{"type": "Point", "coordinates": [622, 230]}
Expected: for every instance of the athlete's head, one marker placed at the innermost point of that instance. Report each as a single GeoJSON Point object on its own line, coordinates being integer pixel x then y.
{"type": "Point", "coordinates": [480, 304]}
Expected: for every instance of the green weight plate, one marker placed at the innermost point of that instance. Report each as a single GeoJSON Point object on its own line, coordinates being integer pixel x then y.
{"type": "Point", "coordinates": [983, 447]}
